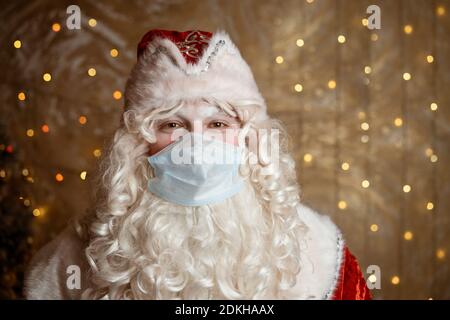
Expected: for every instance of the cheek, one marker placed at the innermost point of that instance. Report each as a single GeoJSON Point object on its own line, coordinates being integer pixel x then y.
{"type": "Point", "coordinates": [230, 135]}
{"type": "Point", "coordinates": [162, 141]}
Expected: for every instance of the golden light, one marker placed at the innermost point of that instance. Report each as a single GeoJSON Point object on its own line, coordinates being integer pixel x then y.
{"type": "Point", "coordinates": [309, 1]}
{"type": "Point", "coordinates": [408, 235]}
{"type": "Point", "coordinates": [434, 158]}
{"type": "Point", "coordinates": [47, 77]}
{"type": "Point", "coordinates": [430, 206]}
{"type": "Point", "coordinates": [17, 44]}
{"type": "Point", "coordinates": [56, 27]}
{"type": "Point", "coordinates": [365, 126]}
{"type": "Point", "coordinates": [25, 172]}
{"type": "Point", "coordinates": [26, 202]}
{"type": "Point", "coordinates": [341, 38]}
{"type": "Point", "coordinates": [406, 188]}
{"type": "Point", "coordinates": [92, 22]}
{"type": "Point", "coordinates": [365, 184]}
{"type": "Point", "coordinates": [331, 84]}
{"type": "Point", "coordinates": [298, 87]}
{"type": "Point", "coordinates": [83, 175]}
{"type": "Point", "coordinates": [374, 227]}
{"type": "Point", "coordinates": [279, 59]}
{"type": "Point", "coordinates": [117, 94]}
{"type": "Point", "coordinates": [395, 280]}
{"type": "Point", "coordinates": [59, 177]}
{"type": "Point", "coordinates": [372, 278]}
{"type": "Point", "coordinates": [365, 22]}
{"type": "Point", "coordinates": [406, 76]}
{"type": "Point", "coordinates": [114, 53]}
{"type": "Point", "coordinates": [36, 212]}
{"type": "Point", "coordinates": [82, 120]}
{"type": "Point", "coordinates": [97, 153]}
{"type": "Point", "coordinates": [398, 122]}
{"type": "Point", "coordinates": [430, 58]}
{"type": "Point", "coordinates": [307, 157]}
{"type": "Point", "coordinates": [408, 29]}
{"type": "Point", "coordinates": [2, 173]}
{"type": "Point", "coordinates": [361, 115]}
{"type": "Point", "coordinates": [429, 152]}
{"type": "Point", "coordinates": [433, 106]}
{"type": "Point", "coordinates": [345, 166]}
{"type": "Point", "coordinates": [342, 205]}
{"type": "Point", "coordinates": [364, 138]}
{"type": "Point", "coordinates": [45, 128]}
{"type": "Point", "coordinates": [440, 11]}
{"type": "Point", "coordinates": [374, 37]}
{"type": "Point", "coordinates": [440, 254]}
{"type": "Point", "coordinates": [30, 132]}
{"type": "Point", "coordinates": [92, 72]}
{"type": "Point", "coordinates": [300, 43]}
{"type": "Point", "coordinates": [367, 69]}
{"type": "Point", "coordinates": [21, 96]}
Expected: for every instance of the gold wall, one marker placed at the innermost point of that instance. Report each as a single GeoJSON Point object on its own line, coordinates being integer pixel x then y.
{"type": "Point", "coordinates": [351, 109]}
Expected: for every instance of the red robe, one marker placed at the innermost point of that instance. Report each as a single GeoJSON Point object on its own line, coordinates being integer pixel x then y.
{"type": "Point", "coordinates": [351, 284]}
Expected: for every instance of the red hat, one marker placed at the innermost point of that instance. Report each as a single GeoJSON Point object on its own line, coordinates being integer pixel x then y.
{"type": "Point", "coordinates": [173, 66]}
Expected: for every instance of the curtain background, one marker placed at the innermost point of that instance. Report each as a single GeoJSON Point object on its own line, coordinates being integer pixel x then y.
{"type": "Point", "coordinates": [371, 147]}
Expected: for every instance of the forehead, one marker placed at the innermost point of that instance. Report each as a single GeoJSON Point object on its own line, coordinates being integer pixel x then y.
{"type": "Point", "coordinates": [200, 109]}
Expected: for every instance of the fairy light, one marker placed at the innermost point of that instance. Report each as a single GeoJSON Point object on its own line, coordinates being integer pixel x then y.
{"type": "Point", "coordinates": [406, 76]}
{"type": "Point", "coordinates": [25, 172]}
{"type": "Point", "coordinates": [430, 206]}
{"type": "Point", "coordinates": [374, 227]}
{"type": "Point", "coordinates": [332, 84]}
{"type": "Point", "coordinates": [398, 122]}
{"type": "Point", "coordinates": [430, 58]}
{"type": "Point", "coordinates": [408, 29]}
{"type": "Point", "coordinates": [300, 43]}
{"type": "Point", "coordinates": [117, 94]}
{"type": "Point", "coordinates": [434, 158]}
{"type": "Point", "coordinates": [114, 53]}
{"type": "Point", "coordinates": [92, 72]}
{"type": "Point", "coordinates": [406, 188]}
{"type": "Point", "coordinates": [21, 96]}
{"type": "Point", "coordinates": [82, 120]}
{"type": "Point", "coordinates": [408, 235]}
{"type": "Point", "coordinates": [279, 59]}
{"type": "Point", "coordinates": [374, 37]}
{"type": "Point", "coordinates": [365, 184]}
{"type": "Point", "coordinates": [365, 126]}
{"type": "Point", "coordinates": [365, 22]}
{"type": "Point", "coordinates": [47, 77]}
{"type": "Point", "coordinates": [341, 39]}
{"type": "Point", "coordinates": [97, 153]}
{"type": "Point", "coordinates": [367, 69]}
{"type": "Point", "coordinates": [92, 22]}
{"type": "Point", "coordinates": [36, 212]}
{"type": "Point", "coordinates": [17, 44]}
{"type": "Point", "coordinates": [433, 106]}
{"type": "Point", "coordinates": [307, 157]}
{"type": "Point", "coordinates": [395, 280]}
{"type": "Point", "coordinates": [440, 11]}
{"type": "Point", "coordinates": [298, 87]}
{"type": "Point", "coordinates": [365, 138]}
{"type": "Point", "coordinates": [45, 128]}
{"type": "Point", "coordinates": [342, 205]}
{"type": "Point", "coordinates": [56, 27]}
{"type": "Point", "coordinates": [30, 133]}
{"type": "Point", "coordinates": [345, 166]}
{"type": "Point", "coordinates": [59, 177]}
{"type": "Point", "coordinates": [440, 254]}
{"type": "Point", "coordinates": [83, 175]}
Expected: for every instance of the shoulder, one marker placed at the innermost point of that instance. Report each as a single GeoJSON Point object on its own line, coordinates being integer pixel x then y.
{"type": "Point", "coordinates": [47, 274]}
{"type": "Point", "coordinates": [321, 255]}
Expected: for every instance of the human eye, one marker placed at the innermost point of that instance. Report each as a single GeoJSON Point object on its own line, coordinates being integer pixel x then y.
{"type": "Point", "coordinates": [170, 125]}
{"type": "Point", "coordinates": [218, 124]}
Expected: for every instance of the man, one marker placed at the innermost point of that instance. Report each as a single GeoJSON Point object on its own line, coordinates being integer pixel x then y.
{"type": "Point", "coordinates": [190, 204]}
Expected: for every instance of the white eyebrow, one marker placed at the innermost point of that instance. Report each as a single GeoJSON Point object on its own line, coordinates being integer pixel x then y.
{"type": "Point", "coordinates": [206, 111]}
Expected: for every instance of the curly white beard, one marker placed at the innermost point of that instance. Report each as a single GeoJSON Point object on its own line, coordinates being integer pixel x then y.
{"type": "Point", "coordinates": [162, 250]}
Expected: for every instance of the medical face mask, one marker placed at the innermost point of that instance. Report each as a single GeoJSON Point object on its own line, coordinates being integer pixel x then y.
{"type": "Point", "coordinates": [196, 170]}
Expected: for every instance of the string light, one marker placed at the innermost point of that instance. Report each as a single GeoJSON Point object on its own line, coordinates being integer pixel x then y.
{"type": "Point", "coordinates": [36, 212]}
{"type": "Point", "coordinates": [114, 53]}
{"type": "Point", "coordinates": [433, 106]}
{"type": "Point", "coordinates": [279, 59]}
{"type": "Point", "coordinates": [374, 227]}
{"type": "Point", "coordinates": [117, 94]}
{"type": "Point", "coordinates": [408, 29]}
{"type": "Point", "coordinates": [298, 87]}
{"type": "Point", "coordinates": [395, 280]}
{"type": "Point", "coordinates": [440, 11]}
{"type": "Point", "coordinates": [398, 122]}
{"type": "Point", "coordinates": [332, 84]}
{"type": "Point", "coordinates": [92, 22]}
{"type": "Point", "coordinates": [365, 184]}
{"type": "Point", "coordinates": [56, 27]}
{"type": "Point", "coordinates": [430, 58]}
{"type": "Point", "coordinates": [364, 138]}
{"type": "Point", "coordinates": [17, 44]}
{"type": "Point", "coordinates": [430, 206]}
{"type": "Point", "coordinates": [92, 72]}
{"type": "Point", "coordinates": [26, 202]}
{"type": "Point", "coordinates": [406, 188]}
{"type": "Point", "coordinates": [21, 96]}
{"type": "Point", "coordinates": [25, 172]}
{"type": "Point", "coordinates": [440, 254]}
{"type": "Point", "coordinates": [30, 133]}
{"type": "Point", "coordinates": [97, 153]}
{"type": "Point", "coordinates": [82, 120]}
{"type": "Point", "coordinates": [367, 69]}
{"type": "Point", "coordinates": [307, 157]}
{"type": "Point", "coordinates": [365, 22]}
{"type": "Point", "coordinates": [342, 205]}
{"type": "Point", "coordinates": [365, 126]}
{"type": "Point", "coordinates": [2, 173]}
{"type": "Point", "coordinates": [59, 177]}
{"type": "Point", "coordinates": [406, 76]}
{"type": "Point", "coordinates": [83, 175]}
{"type": "Point", "coordinates": [408, 235]}
{"type": "Point", "coordinates": [345, 166]}
{"type": "Point", "coordinates": [47, 77]}
{"type": "Point", "coordinates": [434, 158]}
{"type": "Point", "coordinates": [341, 39]}
{"type": "Point", "coordinates": [374, 37]}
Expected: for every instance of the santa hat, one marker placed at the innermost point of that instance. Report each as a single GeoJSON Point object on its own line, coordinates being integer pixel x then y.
{"type": "Point", "coordinates": [174, 66]}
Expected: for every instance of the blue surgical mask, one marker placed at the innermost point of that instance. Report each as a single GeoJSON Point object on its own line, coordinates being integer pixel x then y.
{"type": "Point", "coordinates": [196, 170]}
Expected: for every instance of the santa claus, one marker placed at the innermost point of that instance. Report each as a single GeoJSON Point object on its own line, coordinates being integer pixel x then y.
{"type": "Point", "coordinates": [170, 224]}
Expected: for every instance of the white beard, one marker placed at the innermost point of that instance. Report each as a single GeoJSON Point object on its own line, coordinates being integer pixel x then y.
{"type": "Point", "coordinates": [165, 251]}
